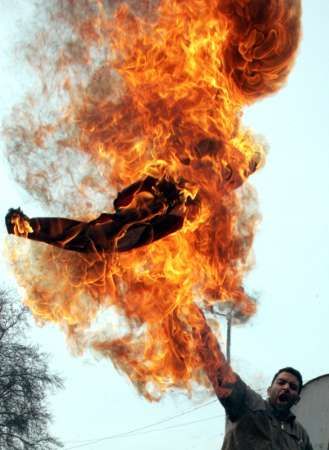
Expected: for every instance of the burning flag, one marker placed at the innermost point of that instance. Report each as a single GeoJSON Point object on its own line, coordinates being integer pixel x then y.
{"type": "Point", "coordinates": [144, 99]}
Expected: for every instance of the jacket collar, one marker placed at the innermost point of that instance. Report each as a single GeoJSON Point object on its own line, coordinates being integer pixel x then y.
{"type": "Point", "coordinates": [289, 417]}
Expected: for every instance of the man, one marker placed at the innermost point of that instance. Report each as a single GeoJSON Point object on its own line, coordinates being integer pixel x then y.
{"type": "Point", "coordinates": [256, 424]}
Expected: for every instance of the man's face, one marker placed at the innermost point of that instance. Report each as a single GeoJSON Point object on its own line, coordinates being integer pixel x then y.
{"type": "Point", "coordinates": [284, 392]}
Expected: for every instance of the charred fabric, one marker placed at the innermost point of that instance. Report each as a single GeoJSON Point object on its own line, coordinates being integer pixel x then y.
{"type": "Point", "coordinates": [144, 212]}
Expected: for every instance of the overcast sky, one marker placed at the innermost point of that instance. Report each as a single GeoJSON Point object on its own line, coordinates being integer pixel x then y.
{"type": "Point", "coordinates": [290, 277]}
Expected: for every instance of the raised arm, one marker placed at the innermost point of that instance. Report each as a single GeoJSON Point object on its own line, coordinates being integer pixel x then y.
{"type": "Point", "coordinates": [218, 370]}
{"type": "Point", "coordinates": [235, 396]}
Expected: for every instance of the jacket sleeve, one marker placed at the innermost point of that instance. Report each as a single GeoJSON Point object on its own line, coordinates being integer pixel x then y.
{"type": "Point", "coordinates": [241, 399]}
{"type": "Point", "coordinates": [236, 397]}
{"type": "Point", "coordinates": [308, 445]}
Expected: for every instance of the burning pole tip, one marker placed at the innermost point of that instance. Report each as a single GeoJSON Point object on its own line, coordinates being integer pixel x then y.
{"type": "Point", "coordinates": [145, 211]}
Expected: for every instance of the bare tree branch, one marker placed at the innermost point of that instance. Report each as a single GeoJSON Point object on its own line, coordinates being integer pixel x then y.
{"type": "Point", "coordinates": [25, 380]}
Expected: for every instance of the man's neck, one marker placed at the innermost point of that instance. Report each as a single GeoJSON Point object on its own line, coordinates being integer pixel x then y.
{"type": "Point", "coordinates": [281, 414]}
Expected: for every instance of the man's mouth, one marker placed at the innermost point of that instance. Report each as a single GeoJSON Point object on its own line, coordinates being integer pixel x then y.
{"type": "Point", "coordinates": [283, 398]}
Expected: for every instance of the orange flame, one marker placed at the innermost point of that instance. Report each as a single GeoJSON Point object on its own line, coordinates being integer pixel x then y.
{"type": "Point", "coordinates": [159, 95]}
{"type": "Point", "coordinates": [21, 227]}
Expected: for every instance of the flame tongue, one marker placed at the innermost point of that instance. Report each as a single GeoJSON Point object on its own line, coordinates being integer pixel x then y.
{"type": "Point", "coordinates": [166, 105]}
{"type": "Point", "coordinates": [17, 223]}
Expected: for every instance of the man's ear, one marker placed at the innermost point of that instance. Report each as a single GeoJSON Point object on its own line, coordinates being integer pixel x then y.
{"type": "Point", "coordinates": [269, 391]}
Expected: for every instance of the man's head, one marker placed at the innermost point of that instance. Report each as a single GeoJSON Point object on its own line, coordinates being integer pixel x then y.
{"type": "Point", "coordinates": [285, 389]}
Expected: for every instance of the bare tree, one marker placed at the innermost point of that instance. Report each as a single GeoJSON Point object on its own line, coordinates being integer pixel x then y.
{"type": "Point", "coordinates": [24, 382]}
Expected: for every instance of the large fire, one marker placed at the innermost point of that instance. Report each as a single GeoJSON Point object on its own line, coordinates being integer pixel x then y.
{"type": "Point", "coordinates": [148, 90]}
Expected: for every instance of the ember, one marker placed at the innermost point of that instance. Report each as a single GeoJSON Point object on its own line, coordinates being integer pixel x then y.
{"type": "Point", "coordinates": [154, 95]}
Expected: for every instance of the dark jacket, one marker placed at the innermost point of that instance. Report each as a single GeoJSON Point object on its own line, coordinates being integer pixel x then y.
{"type": "Point", "coordinates": [255, 425]}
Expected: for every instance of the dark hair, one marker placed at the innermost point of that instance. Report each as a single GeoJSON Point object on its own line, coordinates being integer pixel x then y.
{"type": "Point", "coordinates": [294, 372]}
